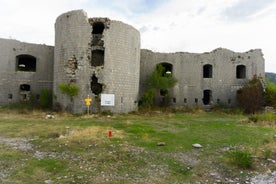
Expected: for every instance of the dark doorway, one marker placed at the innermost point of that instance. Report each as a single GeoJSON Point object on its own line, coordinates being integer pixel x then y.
{"type": "Point", "coordinates": [96, 87]}
{"type": "Point", "coordinates": [207, 97]}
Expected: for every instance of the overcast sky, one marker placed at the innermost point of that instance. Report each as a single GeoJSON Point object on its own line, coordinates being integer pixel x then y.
{"type": "Point", "coordinates": [165, 25]}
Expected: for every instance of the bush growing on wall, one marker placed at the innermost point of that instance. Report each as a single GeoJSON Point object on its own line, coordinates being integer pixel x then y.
{"type": "Point", "coordinates": [69, 89]}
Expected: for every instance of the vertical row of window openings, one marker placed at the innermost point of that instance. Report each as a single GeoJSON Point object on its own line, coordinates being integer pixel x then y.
{"type": "Point", "coordinates": [97, 55]}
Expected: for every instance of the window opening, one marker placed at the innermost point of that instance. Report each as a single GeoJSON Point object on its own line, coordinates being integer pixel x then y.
{"type": "Point", "coordinates": [25, 87]}
{"type": "Point", "coordinates": [96, 87]}
{"type": "Point", "coordinates": [168, 69]}
{"type": "Point", "coordinates": [218, 100]}
{"type": "Point", "coordinates": [9, 96]}
{"type": "Point", "coordinates": [26, 63]}
{"type": "Point", "coordinates": [174, 100]}
{"type": "Point", "coordinates": [196, 100]}
{"type": "Point", "coordinates": [241, 72]}
{"type": "Point", "coordinates": [98, 28]}
{"type": "Point", "coordinates": [207, 71]}
{"type": "Point", "coordinates": [207, 97]}
{"type": "Point", "coordinates": [185, 100]}
{"type": "Point", "coordinates": [97, 58]}
{"type": "Point", "coordinates": [229, 101]}
{"type": "Point", "coordinates": [25, 90]}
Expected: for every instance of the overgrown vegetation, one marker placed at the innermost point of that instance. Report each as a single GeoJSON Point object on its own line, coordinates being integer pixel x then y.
{"type": "Point", "coordinates": [241, 158]}
{"type": "Point", "coordinates": [159, 82]}
{"type": "Point", "coordinates": [70, 148]}
{"type": "Point", "coordinates": [270, 94]}
{"type": "Point", "coordinates": [46, 99]}
{"type": "Point", "coordinates": [69, 89]}
{"type": "Point", "coordinates": [250, 97]}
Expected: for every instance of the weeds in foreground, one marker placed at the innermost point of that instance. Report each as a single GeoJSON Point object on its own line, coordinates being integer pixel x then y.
{"type": "Point", "coordinates": [242, 159]}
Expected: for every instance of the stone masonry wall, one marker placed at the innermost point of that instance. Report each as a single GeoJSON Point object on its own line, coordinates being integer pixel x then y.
{"type": "Point", "coordinates": [11, 78]}
{"type": "Point", "coordinates": [75, 63]}
{"type": "Point", "coordinates": [188, 70]}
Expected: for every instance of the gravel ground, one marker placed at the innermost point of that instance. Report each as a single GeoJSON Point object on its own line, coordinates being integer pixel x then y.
{"type": "Point", "coordinates": [190, 159]}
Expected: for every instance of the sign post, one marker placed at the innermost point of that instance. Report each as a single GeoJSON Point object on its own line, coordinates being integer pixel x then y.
{"type": "Point", "coordinates": [88, 101]}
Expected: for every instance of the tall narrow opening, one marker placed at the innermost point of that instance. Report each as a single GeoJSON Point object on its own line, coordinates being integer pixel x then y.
{"type": "Point", "coordinates": [98, 28]}
{"type": "Point", "coordinates": [207, 97]}
{"type": "Point", "coordinates": [207, 71]}
{"type": "Point", "coordinates": [241, 72]}
{"type": "Point", "coordinates": [96, 87]}
{"type": "Point", "coordinates": [25, 91]}
{"type": "Point", "coordinates": [25, 63]}
{"type": "Point", "coordinates": [97, 58]}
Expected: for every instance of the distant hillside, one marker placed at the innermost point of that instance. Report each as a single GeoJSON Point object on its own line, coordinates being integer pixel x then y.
{"type": "Point", "coordinates": [271, 76]}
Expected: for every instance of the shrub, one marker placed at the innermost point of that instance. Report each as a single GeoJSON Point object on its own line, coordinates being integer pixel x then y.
{"type": "Point", "coordinates": [148, 98]}
{"type": "Point", "coordinates": [240, 158]}
{"type": "Point", "coordinates": [268, 116]}
{"type": "Point", "coordinates": [270, 94]}
{"type": "Point", "coordinates": [250, 97]}
{"type": "Point", "coordinates": [69, 89]}
{"type": "Point", "coordinates": [46, 98]}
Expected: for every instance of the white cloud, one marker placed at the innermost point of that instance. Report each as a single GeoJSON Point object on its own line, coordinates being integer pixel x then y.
{"type": "Point", "coordinates": [165, 25]}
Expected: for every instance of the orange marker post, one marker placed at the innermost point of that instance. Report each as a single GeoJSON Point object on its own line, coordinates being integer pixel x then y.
{"type": "Point", "coordinates": [110, 133]}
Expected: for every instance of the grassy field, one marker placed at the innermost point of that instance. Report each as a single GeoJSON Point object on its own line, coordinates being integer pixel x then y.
{"type": "Point", "coordinates": [77, 149]}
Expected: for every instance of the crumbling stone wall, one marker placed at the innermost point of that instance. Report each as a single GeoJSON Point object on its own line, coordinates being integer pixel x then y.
{"type": "Point", "coordinates": [188, 68]}
{"type": "Point", "coordinates": [13, 76]}
{"type": "Point", "coordinates": [103, 56]}
{"type": "Point", "coordinates": [96, 61]}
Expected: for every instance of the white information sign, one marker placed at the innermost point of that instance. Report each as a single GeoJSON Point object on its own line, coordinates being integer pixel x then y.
{"type": "Point", "coordinates": [107, 99]}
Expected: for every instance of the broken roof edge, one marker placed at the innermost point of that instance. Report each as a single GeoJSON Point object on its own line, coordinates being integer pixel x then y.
{"type": "Point", "coordinates": [23, 42]}
{"type": "Point", "coordinates": [219, 49]}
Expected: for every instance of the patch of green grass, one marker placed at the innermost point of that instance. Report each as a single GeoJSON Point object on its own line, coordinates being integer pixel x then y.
{"type": "Point", "coordinates": [86, 154]}
{"type": "Point", "coordinates": [242, 159]}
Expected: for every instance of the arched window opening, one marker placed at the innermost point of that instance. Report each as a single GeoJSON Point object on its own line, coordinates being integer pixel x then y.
{"type": "Point", "coordinates": [97, 58]}
{"type": "Point", "coordinates": [96, 87]}
{"type": "Point", "coordinates": [207, 97]}
{"type": "Point", "coordinates": [207, 71]}
{"type": "Point", "coordinates": [25, 63]}
{"type": "Point", "coordinates": [98, 28]}
{"type": "Point", "coordinates": [241, 72]}
{"type": "Point", "coordinates": [168, 69]}
{"type": "Point", "coordinates": [25, 87]}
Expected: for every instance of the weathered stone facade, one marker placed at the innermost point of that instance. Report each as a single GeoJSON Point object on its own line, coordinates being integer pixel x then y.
{"type": "Point", "coordinates": [25, 69]}
{"type": "Point", "coordinates": [103, 56]}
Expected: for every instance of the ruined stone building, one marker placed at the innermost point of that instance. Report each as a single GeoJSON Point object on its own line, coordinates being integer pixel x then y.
{"type": "Point", "coordinates": [103, 56]}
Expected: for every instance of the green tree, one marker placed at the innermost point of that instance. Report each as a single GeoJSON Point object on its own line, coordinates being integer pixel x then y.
{"type": "Point", "coordinates": [251, 97]}
{"type": "Point", "coordinates": [69, 89]}
{"type": "Point", "coordinates": [160, 81]}
{"type": "Point", "coordinates": [270, 93]}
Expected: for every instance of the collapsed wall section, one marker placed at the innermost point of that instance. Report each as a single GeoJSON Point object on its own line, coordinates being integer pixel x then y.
{"type": "Point", "coordinates": [99, 56]}
{"type": "Point", "coordinates": [26, 69]}
{"type": "Point", "coordinates": [204, 79]}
